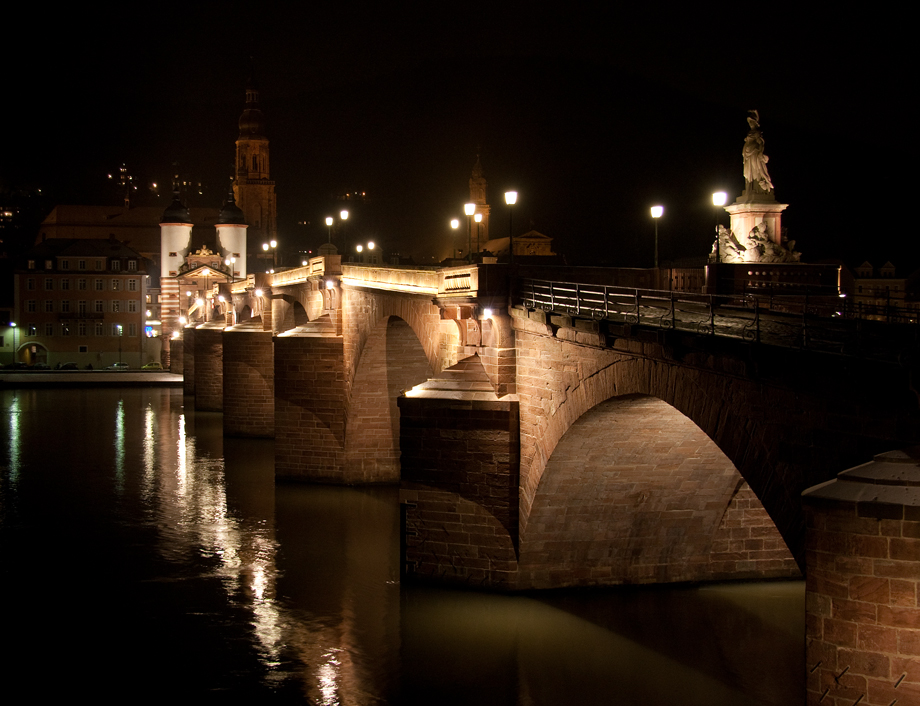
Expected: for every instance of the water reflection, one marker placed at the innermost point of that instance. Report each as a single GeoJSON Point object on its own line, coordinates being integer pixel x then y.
{"type": "Point", "coordinates": [148, 556]}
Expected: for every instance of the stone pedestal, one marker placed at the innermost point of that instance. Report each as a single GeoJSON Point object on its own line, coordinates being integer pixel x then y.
{"type": "Point", "coordinates": [748, 213]}
{"type": "Point", "coordinates": [863, 584]}
{"type": "Point", "coordinates": [249, 382]}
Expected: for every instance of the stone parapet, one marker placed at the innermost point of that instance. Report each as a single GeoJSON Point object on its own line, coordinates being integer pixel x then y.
{"type": "Point", "coordinates": [209, 368]}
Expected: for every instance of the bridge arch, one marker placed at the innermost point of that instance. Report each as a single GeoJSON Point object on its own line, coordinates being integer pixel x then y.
{"type": "Point", "coordinates": [392, 360]}
{"type": "Point", "coordinates": [635, 492]}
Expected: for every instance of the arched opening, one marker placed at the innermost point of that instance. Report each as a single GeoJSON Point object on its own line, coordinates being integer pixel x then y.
{"type": "Point", "coordinates": [635, 492]}
{"type": "Point", "coordinates": [392, 361]}
{"type": "Point", "coordinates": [245, 314]}
{"type": "Point", "coordinates": [32, 354]}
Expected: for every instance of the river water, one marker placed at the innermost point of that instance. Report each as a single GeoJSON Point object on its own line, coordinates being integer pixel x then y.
{"type": "Point", "coordinates": [144, 557]}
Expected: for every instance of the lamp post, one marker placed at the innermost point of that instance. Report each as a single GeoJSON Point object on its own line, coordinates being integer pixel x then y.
{"type": "Point", "coordinates": [205, 273]}
{"type": "Point", "coordinates": [329, 226]}
{"type": "Point", "coordinates": [343, 214]}
{"type": "Point", "coordinates": [454, 224]}
{"type": "Point", "coordinates": [478, 218]}
{"type": "Point", "coordinates": [656, 214]}
{"type": "Point", "coordinates": [718, 200]}
{"type": "Point", "coordinates": [14, 327]}
{"type": "Point", "coordinates": [469, 209]}
{"type": "Point", "coordinates": [510, 199]}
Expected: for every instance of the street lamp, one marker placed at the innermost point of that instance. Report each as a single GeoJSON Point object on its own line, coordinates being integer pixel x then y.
{"type": "Point", "coordinates": [510, 199]}
{"type": "Point", "coordinates": [718, 200]}
{"type": "Point", "coordinates": [14, 327]}
{"type": "Point", "coordinates": [478, 219]}
{"type": "Point", "coordinates": [231, 263]}
{"type": "Point", "coordinates": [656, 214]}
{"type": "Point", "coordinates": [469, 209]}
{"type": "Point", "coordinates": [454, 224]}
{"type": "Point", "coordinates": [329, 226]}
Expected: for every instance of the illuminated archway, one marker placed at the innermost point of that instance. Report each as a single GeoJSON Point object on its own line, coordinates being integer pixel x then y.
{"type": "Point", "coordinates": [635, 492]}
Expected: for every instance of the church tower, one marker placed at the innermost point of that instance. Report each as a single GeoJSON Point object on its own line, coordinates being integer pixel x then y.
{"type": "Point", "coordinates": [253, 188]}
{"type": "Point", "coordinates": [478, 197]}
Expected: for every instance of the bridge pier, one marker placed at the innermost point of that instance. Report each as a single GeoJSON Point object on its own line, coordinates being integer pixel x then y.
{"type": "Point", "coordinates": [863, 584]}
{"type": "Point", "coordinates": [188, 360]}
{"type": "Point", "coordinates": [209, 367]}
{"type": "Point", "coordinates": [310, 407]}
{"type": "Point", "coordinates": [249, 381]}
{"type": "Point", "coordinates": [460, 474]}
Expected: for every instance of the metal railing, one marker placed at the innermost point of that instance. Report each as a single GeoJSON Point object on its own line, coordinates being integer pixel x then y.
{"type": "Point", "coordinates": [817, 323]}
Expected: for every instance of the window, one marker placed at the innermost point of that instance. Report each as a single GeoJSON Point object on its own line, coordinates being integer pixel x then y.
{"type": "Point", "coordinates": [65, 264]}
{"type": "Point", "coordinates": [81, 264]}
{"type": "Point", "coordinates": [116, 285]}
{"type": "Point", "coordinates": [100, 264]}
{"type": "Point", "coordinates": [116, 329]}
{"type": "Point", "coordinates": [31, 264]}
{"type": "Point", "coordinates": [97, 329]}
{"type": "Point", "coordinates": [30, 283]}
{"type": "Point", "coordinates": [49, 306]}
{"type": "Point", "coordinates": [132, 265]}
{"type": "Point", "coordinates": [65, 284]}
{"type": "Point", "coordinates": [132, 306]}
{"type": "Point", "coordinates": [98, 306]}
{"type": "Point", "coordinates": [49, 265]}
{"type": "Point", "coordinates": [132, 329]}
{"type": "Point", "coordinates": [31, 306]}
{"type": "Point", "coordinates": [81, 329]}
{"type": "Point", "coordinates": [49, 328]}
{"type": "Point", "coordinates": [49, 284]}
{"type": "Point", "coordinates": [116, 265]}
{"type": "Point", "coordinates": [32, 329]}
{"type": "Point", "coordinates": [132, 285]}
{"type": "Point", "coordinates": [81, 284]}
{"type": "Point", "coordinates": [65, 306]}
{"type": "Point", "coordinates": [65, 329]}
{"type": "Point", "coordinates": [116, 306]}
{"type": "Point", "coordinates": [81, 307]}
{"type": "Point", "coordinates": [172, 254]}
{"type": "Point", "coordinates": [97, 285]}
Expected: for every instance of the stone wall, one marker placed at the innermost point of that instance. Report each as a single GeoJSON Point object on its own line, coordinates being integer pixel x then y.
{"type": "Point", "coordinates": [209, 368]}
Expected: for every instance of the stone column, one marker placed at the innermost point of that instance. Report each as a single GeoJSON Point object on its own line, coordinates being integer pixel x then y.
{"type": "Point", "coordinates": [863, 584]}
{"type": "Point", "coordinates": [248, 382]}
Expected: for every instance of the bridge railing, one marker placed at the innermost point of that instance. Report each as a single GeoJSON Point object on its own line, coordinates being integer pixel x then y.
{"type": "Point", "coordinates": [818, 324]}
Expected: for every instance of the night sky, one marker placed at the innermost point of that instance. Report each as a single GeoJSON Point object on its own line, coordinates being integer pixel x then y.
{"type": "Point", "coordinates": [593, 116]}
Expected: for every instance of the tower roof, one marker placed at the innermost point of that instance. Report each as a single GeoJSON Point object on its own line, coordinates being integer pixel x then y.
{"type": "Point", "coordinates": [176, 212]}
{"type": "Point", "coordinates": [252, 122]}
{"type": "Point", "coordinates": [231, 213]}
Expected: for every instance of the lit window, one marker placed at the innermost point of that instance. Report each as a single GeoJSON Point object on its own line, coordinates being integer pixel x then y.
{"type": "Point", "coordinates": [116, 285]}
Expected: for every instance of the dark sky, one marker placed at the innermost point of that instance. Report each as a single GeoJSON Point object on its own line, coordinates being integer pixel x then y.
{"type": "Point", "coordinates": [593, 116]}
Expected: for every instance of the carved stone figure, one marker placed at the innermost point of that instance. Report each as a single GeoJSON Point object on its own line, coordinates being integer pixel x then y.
{"type": "Point", "coordinates": [756, 176]}
{"type": "Point", "coordinates": [756, 246]}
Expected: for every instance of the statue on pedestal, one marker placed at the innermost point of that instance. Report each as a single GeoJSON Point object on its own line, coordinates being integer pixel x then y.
{"type": "Point", "coordinates": [756, 176]}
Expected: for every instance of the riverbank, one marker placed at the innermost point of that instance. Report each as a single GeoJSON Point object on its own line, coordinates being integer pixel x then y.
{"type": "Point", "coordinates": [89, 378]}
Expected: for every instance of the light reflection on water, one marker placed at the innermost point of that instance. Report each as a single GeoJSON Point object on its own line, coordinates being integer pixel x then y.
{"type": "Point", "coordinates": [146, 554]}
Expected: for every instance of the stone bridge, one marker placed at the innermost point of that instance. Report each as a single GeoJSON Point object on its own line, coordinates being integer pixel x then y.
{"type": "Point", "coordinates": [542, 444]}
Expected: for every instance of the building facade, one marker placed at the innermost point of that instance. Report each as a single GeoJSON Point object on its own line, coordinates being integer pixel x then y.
{"type": "Point", "coordinates": [82, 301]}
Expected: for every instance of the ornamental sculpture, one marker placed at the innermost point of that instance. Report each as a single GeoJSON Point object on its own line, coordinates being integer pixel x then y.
{"type": "Point", "coordinates": [756, 176]}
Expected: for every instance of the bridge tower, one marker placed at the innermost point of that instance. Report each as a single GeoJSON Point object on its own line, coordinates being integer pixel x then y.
{"type": "Point", "coordinates": [231, 237]}
{"type": "Point", "coordinates": [175, 243]}
{"type": "Point", "coordinates": [478, 187]}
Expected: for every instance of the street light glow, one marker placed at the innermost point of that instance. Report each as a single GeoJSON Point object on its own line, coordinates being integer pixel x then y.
{"type": "Point", "coordinates": [469, 209]}
{"type": "Point", "coordinates": [329, 221]}
{"type": "Point", "coordinates": [455, 223]}
{"type": "Point", "coordinates": [511, 197]}
{"type": "Point", "coordinates": [370, 245]}
{"type": "Point", "coordinates": [719, 198]}
{"type": "Point", "coordinates": [478, 218]}
{"type": "Point", "coordinates": [343, 214]}
{"type": "Point", "coordinates": [657, 211]}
